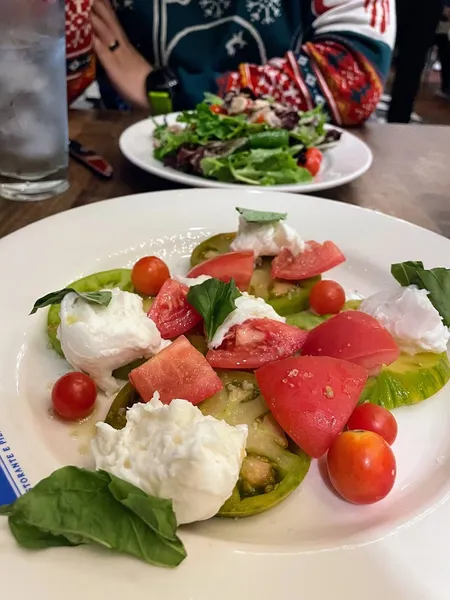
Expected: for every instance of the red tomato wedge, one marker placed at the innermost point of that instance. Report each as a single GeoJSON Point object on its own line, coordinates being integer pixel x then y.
{"type": "Point", "coordinates": [232, 265]}
{"type": "Point", "coordinates": [178, 371]}
{"type": "Point", "coordinates": [314, 260]}
{"type": "Point", "coordinates": [353, 336]}
{"type": "Point", "coordinates": [256, 342]}
{"type": "Point", "coordinates": [171, 312]}
{"type": "Point", "coordinates": [312, 397]}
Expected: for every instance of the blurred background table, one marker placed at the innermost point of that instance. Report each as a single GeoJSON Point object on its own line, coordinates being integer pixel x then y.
{"type": "Point", "coordinates": [410, 176]}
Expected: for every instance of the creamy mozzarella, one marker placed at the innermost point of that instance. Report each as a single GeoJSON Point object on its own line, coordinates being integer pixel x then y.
{"type": "Point", "coordinates": [98, 339]}
{"type": "Point", "coordinates": [247, 307]}
{"type": "Point", "coordinates": [266, 239]}
{"type": "Point", "coordinates": [409, 316]}
{"type": "Point", "coordinates": [191, 281]}
{"type": "Point", "coordinates": [173, 451]}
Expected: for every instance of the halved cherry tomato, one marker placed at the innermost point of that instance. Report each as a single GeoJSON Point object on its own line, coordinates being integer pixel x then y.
{"type": "Point", "coordinates": [314, 260]}
{"type": "Point", "coordinates": [217, 109]}
{"type": "Point", "coordinates": [361, 466]}
{"type": "Point", "coordinates": [371, 417]}
{"type": "Point", "coordinates": [171, 312]}
{"type": "Point", "coordinates": [327, 297]}
{"type": "Point", "coordinates": [232, 265]}
{"type": "Point", "coordinates": [256, 342]}
{"type": "Point", "coordinates": [149, 274]}
{"type": "Point", "coordinates": [355, 336]}
{"type": "Point", "coordinates": [73, 396]}
{"type": "Point", "coordinates": [312, 397]}
{"type": "Point", "coordinates": [178, 371]}
{"type": "Point", "coordinates": [313, 160]}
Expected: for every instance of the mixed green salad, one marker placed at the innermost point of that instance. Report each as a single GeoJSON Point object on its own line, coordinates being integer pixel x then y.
{"type": "Point", "coordinates": [241, 139]}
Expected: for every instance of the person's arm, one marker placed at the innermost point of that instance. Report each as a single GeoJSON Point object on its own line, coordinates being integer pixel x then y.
{"type": "Point", "coordinates": [342, 64]}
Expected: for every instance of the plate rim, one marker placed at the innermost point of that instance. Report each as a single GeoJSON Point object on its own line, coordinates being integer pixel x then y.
{"type": "Point", "coordinates": [255, 191]}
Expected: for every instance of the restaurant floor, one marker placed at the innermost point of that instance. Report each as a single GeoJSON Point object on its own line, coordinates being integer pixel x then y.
{"type": "Point", "coordinates": [433, 110]}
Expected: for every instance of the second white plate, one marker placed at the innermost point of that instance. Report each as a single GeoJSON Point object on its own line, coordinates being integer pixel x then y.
{"type": "Point", "coordinates": [350, 159]}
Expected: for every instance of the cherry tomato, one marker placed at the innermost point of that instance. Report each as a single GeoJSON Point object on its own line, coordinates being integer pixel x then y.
{"type": "Point", "coordinates": [361, 466]}
{"type": "Point", "coordinates": [327, 297]}
{"type": "Point", "coordinates": [371, 417]}
{"type": "Point", "coordinates": [313, 160]}
{"type": "Point", "coordinates": [73, 396]}
{"type": "Point", "coordinates": [149, 274]}
{"type": "Point", "coordinates": [217, 109]}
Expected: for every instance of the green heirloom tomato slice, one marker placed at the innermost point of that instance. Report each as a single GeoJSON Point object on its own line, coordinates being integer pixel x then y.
{"type": "Point", "coordinates": [270, 472]}
{"type": "Point", "coordinates": [120, 278]}
{"type": "Point", "coordinates": [212, 247]}
{"type": "Point", "coordinates": [307, 319]}
{"type": "Point", "coordinates": [408, 380]}
{"type": "Point", "coordinates": [198, 341]}
{"type": "Point", "coordinates": [116, 416]}
{"type": "Point", "coordinates": [286, 297]}
{"type": "Point", "coordinates": [123, 372]}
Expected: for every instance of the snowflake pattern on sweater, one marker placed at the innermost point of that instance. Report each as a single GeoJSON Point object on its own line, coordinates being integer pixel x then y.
{"type": "Point", "coordinates": [302, 52]}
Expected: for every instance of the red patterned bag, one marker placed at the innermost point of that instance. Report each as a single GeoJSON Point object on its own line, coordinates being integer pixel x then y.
{"type": "Point", "coordinates": [80, 54]}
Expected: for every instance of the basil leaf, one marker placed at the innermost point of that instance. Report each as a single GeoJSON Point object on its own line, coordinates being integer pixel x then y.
{"type": "Point", "coordinates": [7, 509]}
{"type": "Point", "coordinates": [34, 538]}
{"type": "Point", "coordinates": [158, 513]}
{"type": "Point", "coordinates": [406, 273]}
{"type": "Point", "coordinates": [435, 281]}
{"type": "Point", "coordinates": [214, 300]}
{"type": "Point", "coordinates": [75, 506]}
{"type": "Point", "coordinates": [260, 216]}
{"type": "Point", "coordinates": [102, 298]}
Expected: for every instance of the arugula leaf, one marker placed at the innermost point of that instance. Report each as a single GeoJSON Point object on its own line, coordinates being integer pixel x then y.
{"type": "Point", "coordinates": [76, 506]}
{"type": "Point", "coordinates": [214, 300]}
{"type": "Point", "coordinates": [275, 138]}
{"type": "Point", "coordinates": [260, 216]}
{"type": "Point", "coordinates": [101, 298]}
{"type": "Point", "coordinates": [217, 168]}
{"type": "Point", "coordinates": [170, 141]}
{"type": "Point", "coordinates": [435, 281]}
{"type": "Point", "coordinates": [212, 99]}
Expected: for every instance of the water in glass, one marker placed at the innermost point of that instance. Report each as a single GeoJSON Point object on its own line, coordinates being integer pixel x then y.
{"type": "Point", "coordinates": [33, 100]}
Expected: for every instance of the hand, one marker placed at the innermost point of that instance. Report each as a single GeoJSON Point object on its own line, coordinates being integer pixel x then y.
{"type": "Point", "coordinates": [126, 68]}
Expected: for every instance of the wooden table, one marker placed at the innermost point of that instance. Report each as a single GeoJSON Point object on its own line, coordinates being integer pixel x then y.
{"type": "Point", "coordinates": [410, 177]}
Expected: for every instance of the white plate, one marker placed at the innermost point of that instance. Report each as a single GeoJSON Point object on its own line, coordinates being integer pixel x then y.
{"type": "Point", "coordinates": [350, 159]}
{"type": "Point", "coordinates": [313, 545]}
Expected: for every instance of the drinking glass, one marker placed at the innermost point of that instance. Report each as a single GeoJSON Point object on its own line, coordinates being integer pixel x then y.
{"type": "Point", "coordinates": [33, 100]}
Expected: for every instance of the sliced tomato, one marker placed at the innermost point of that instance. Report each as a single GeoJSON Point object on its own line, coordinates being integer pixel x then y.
{"type": "Point", "coordinates": [178, 371]}
{"type": "Point", "coordinates": [256, 342]}
{"type": "Point", "coordinates": [217, 109]}
{"type": "Point", "coordinates": [352, 335]}
{"type": "Point", "coordinates": [313, 160]}
{"type": "Point", "coordinates": [312, 397]}
{"type": "Point", "coordinates": [232, 265]}
{"type": "Point", "coordinates": [314, 260]}
{"type": "Point", "coordinates": [171, 312]}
